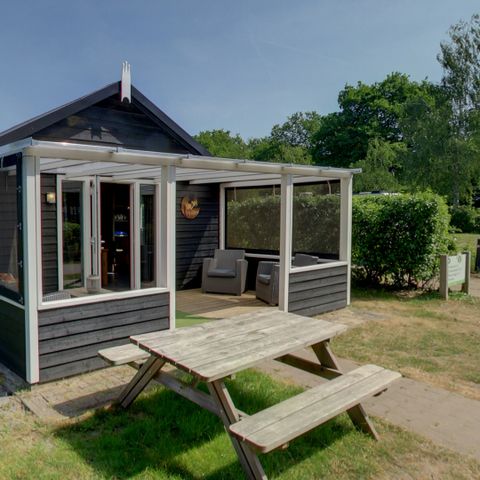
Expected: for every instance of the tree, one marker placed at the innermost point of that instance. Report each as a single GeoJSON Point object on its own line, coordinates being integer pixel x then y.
{"type": "Point", "coordinates": [269, 150]}
{"type": "Point", "coordinates": [460, 60]}
{"type": "Point", "coordinates": [366, 112]}
{"type": "Point", "coordinates": [221, 143]}
{"type": "Point", "coordinates": [442, 131]}
{"type": "Point", "coordinates": [380, 168]}
{"type": "Point", "coordinates": [298, 130]}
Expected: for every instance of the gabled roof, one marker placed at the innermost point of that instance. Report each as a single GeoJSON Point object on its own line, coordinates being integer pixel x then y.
{"type": "Point", "coordinates": [31, 127]}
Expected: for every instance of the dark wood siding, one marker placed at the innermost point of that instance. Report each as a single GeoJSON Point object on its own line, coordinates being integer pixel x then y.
{"type": "Point", "coordinates": [196, 239]}
{"type": "Point", "coordinates": [318, 291]}
{"type": "Point", "coordinates": [111, 122]}
{"type": "Point", "coordinates": [9, 235]}
{"type": "Point", "coordinates": [12, 338]}
{"type": "Point", "coordinates": [49, 236]}
{"type": "Point", "coordinates": [70, 337]}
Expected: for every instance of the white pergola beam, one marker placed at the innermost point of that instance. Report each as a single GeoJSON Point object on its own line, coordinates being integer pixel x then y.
{"type": "Point", "coordinates": [286, 234]}
{"type": "Point", "coordinates": [346, 228]}
{"type": "Point", "coordinates": [32, 285]}
{"type": "Point", "coordinates": [168, 235]}
{"type": "Point", "coordinates": [138, 157]}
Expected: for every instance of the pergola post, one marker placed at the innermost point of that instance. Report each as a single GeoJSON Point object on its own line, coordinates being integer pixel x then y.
{"type": "Point", "coordinates": [346, 228]}
{"type": "Point", "coordinates": [286, 222]}
{"type": "Point", "coordinates": [31, 260]}
{"type": "Point", "coordinates": [167, 235]}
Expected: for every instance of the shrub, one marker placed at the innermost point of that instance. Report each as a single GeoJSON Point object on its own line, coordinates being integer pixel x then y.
{"type": "Point", "coordinates": [466, 219]}
{"type": "Point", "coordinates": [397, 239]}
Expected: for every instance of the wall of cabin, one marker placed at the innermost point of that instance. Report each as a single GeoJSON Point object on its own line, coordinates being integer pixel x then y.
{"type": "Point", "coordinates": [317, 291]}
{"type": "Point", "coordinates": [70, 337]}
{"type": "Point", "coordinates": [198, 238]}
{"type": "Point", "coordinates": [112, 123]}
{"type": "Point", "coordinates": [49, 235]}
{"type": "Point", "coordinates": [12, 337]}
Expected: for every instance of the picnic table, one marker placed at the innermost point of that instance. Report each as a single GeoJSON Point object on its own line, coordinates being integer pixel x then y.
{"type": "Point", "coordinates": [214, 351]}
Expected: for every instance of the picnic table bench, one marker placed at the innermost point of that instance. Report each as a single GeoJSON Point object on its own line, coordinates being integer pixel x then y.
{"type": "Point", "coordinates": [212, 352]}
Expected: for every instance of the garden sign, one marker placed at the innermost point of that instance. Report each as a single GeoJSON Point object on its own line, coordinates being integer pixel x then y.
{"type": "Point", "coordinates": [454, 270]}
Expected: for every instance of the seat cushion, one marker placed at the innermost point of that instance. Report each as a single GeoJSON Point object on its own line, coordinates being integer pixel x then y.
{"type": "Point", "coordinates": [221, 272]}
{"type": "Point", "coordinates": [264, 278]}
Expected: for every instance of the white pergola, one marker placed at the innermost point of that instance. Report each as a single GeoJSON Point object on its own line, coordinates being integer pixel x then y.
{"type": "Point", "coordinates": [76, 161]}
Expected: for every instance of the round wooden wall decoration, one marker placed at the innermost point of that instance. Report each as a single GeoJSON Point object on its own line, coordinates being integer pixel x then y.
{"type": "Point", "coordinates": [189, 208]}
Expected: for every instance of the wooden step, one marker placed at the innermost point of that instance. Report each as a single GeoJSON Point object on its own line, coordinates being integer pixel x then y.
{"type": "Point", "coordinates": [123, 354]}
{"type": "Point", "coordinates": [281, 423]}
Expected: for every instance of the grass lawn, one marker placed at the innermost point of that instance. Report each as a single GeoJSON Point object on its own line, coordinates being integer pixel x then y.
{"type": "Point", "coordinates": [186, 320]}
{"type": "Point", "coordinates": [467, 241]}
{"type": "Point", "coordinates": [421, 336]}
{"type": "Point", "coordinates": [163, 436]}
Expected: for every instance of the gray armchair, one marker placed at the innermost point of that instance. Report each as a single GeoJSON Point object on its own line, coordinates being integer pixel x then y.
{"type": "Point", "coordinates": [225, 273]}
{"type": "Point", "coordinates": [267, 283]}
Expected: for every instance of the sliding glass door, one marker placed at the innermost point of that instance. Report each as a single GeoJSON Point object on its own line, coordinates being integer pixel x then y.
{"type": "Point", "coordinates": [72, 221]}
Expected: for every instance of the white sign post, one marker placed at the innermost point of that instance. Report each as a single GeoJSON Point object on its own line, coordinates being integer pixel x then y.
{"type": "Point", "coordinates": [454, 270]}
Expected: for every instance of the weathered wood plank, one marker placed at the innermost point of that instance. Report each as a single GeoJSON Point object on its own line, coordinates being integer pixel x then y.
{"type": "Point", "coordinates": [317, 300]}
{"type": "Point", "coordinates": [72, 341]}
{"type": "Point", "coordinates": [315, 274]}
{"type": "Point", "coordinates": [309, 366]}
{"type": "Point", "coordinates": [73, 368]}
{"type": "Point", "coordinates": [229, 414]}
{"type": "Point", "coordinates": [313, 293]}
{"type": "Point", "coordinates": [141, 379]}
{"type": "Point", "coordinates": [218, 349]}
{"type": "Point", "coordinates": [101, 308]}
{"type": "Point", "coordinates": [65, 329]}
{"type": "Point", "coordinates": [122, 354]}
{"type": "Point", "coordinates": [219, 354]}
{"type": "Point", "coordinates": [327, 307]}
{"type": "Point", "coordinates": [78, 353]}
{"type": "Point", "coordinates": [317, 283]}
{"type": "Point", "coordinates": [277, 425]}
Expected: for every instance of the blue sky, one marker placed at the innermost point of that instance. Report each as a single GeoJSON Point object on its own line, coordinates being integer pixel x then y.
{"type": "Point", "coordinates": [239, 65]}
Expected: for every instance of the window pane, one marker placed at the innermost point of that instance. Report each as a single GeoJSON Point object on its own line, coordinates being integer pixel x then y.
{"type": "Point", "coordinates": [9, 234]}
{"type": "Point", "coordinates": [72, 234]}
{"type": "Point", "coordinates": [316, 219]}
{"type": "Point", "coordinates": [253, 218]}
{"type": "Point", "coordinates": [147, 236]}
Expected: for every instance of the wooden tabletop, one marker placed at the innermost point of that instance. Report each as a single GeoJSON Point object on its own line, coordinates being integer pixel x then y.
{"type": "Point", "coordinates": [220, 348]}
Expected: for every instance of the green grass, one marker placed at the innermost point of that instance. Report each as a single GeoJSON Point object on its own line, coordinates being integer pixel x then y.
{"type": "Point", "coordinates": [162, 436]}
{"type": "Point", "coordinates": [186, 320]}
{"type": "Point", "coordinates": [420, 335]}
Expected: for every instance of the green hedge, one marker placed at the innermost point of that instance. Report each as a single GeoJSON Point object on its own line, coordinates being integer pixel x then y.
{"type": "Point", "coordinates": [397, 238]}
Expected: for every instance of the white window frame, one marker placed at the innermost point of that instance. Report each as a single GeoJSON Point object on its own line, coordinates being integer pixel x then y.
{"type": "Point", "coordinates": [91, 238]}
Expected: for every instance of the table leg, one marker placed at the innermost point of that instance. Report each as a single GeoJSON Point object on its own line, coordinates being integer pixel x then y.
{"type": "Point", "coordinates": [357, 413]}
{"type": "Point", "coordinates": [228, 413]}
{"type": "Point", "coordinates": [141, 379]}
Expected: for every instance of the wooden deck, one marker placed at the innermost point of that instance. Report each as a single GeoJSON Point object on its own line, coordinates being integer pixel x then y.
{"type": "Point", "coordinates": [211, 305]}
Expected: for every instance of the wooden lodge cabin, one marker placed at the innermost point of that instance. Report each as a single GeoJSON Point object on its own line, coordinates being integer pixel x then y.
{"type": "Point", "coordinates": [93, 242]}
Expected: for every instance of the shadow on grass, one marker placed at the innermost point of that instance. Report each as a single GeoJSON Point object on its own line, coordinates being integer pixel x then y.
{"type": "Point", "coordinates": [166, 436]}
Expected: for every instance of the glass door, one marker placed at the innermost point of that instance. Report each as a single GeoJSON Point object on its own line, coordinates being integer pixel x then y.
{"type": "Point", "coordinates": [72, 218]}
{"type": "Point", "coordinates": [147, 236]}
{"type": "Point", "coordinates": [115, 226]}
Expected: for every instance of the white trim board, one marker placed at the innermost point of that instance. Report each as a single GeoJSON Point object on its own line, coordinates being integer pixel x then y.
{"type": "Point", "coordinates": [320, 266]}
{"type": "Point", "coordinates": [101, 297]}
